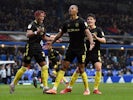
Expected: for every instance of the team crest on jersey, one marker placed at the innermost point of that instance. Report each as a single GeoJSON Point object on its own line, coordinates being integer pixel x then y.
{"type": "Point", "coordinates": [43, 29]}
{"type": "Point", "coordinates": [76, 24]}
{"type": "Point", "coordinates": [95, 33]}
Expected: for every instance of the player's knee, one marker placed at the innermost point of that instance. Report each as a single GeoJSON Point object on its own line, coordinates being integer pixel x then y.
{"type": "Point", "coordinates": [98, 66]}
{"type": "Point", "coordinates": [42, 64]}
{"type": "Point", "coordinates": [26, 65]}
{"type": "Point", "coordinates": [81, 70]}
{"type": "Point", "coordinates": [77, 70]}
{"type": "Point", "coordinates": [65, 66]}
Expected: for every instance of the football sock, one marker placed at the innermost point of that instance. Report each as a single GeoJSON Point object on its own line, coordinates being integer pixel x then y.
{"type": "Point", "coordinates": [65, 80]}
{"type": "Point", "coordinates": [19, 75]}
{"type": "Point", "coordinates": [54, 72]}
{"type": "Point", "coordinates": [97, 79]}
{"type": "Point", "coordinates": [60, 75]}
{"type": "Point", "coordinates": [85, 80]}
{"type": "Point", "coordinates": [44, 75]}
{"type": "Point", "coordinates": [73, 79]}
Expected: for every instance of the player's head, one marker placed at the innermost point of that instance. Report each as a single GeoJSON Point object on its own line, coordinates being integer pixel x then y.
{"type": "Point", "coordinates": [39, 16]}
{"type": "Point", "coordinates": [91, 19]}
{"type": "Point", "coordinates": [73, 9]}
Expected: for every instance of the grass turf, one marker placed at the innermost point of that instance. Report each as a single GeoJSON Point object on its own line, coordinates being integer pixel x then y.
{"type": "Point", "coordinates": [122, 91]}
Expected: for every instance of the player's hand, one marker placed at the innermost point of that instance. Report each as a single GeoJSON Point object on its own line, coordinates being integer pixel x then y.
{"type": "Point", "coordinates": [91, 46]}
{"type": "Point", "coordinates": [94, 36]}
{"type": "Point", "coordinates": [59, 40]}
{"type": "Point", "coordinates": [40, 30]}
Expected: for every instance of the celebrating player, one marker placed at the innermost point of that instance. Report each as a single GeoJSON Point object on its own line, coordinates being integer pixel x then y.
{"type": "Point", "coordinates": [93, 56]}
{"type": "Point", "coordinates": [35, 33]}
{"type": "Point", "coordinates": [76, 27]}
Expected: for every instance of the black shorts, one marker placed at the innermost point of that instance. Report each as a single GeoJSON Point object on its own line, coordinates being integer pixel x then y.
{"type": "Point", "coordinates": [32, 51]}
{"type": "Point", "coordinates": [92, 57]}
{"type": "Point", "coordinates": [71, 54]}
{"type": "Point", "coordinates": [53, 63]}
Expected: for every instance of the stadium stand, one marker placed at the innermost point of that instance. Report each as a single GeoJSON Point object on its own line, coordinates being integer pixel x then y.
{"type": "Point", "coordinates": [114, 16]}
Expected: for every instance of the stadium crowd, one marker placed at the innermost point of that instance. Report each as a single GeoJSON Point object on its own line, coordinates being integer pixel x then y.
{"type": "Point", "coordinates": [111, 19]}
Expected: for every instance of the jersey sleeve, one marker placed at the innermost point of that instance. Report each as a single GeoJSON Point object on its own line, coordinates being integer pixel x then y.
{"type": "Point", "coordinates": [32, 27]}
{"type": "Point", "coordinates": [47, 34]}
{"type": "Point", "coordinates": [101, 33]}
{"type": "Point", "coordinates": [84, 25]}
{"type": "Point", "coordinates": [64, 27]}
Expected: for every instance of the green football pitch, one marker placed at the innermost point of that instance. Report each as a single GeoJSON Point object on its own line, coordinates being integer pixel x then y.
{"type": "Point", "coordinates": [121, 91]}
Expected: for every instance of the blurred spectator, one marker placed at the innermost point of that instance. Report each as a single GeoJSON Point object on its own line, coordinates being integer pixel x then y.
{"type": "Point", "coordinates": [3, 74]}
{"type": "Point", "coordinates": [112, 19]}
{"type": "Point", "coordinates": [3, 57]}
{"type": "Point", "coordinates": [8, 72]}
{"type": "Point", "coordinates": [109, 73]}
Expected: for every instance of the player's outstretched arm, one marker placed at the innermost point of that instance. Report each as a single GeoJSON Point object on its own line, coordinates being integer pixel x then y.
{"type": "Point", "coordinates": [57, 36]}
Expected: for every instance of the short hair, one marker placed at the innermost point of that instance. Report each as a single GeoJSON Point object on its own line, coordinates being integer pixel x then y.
{"type": "Point", "coordinates": [91, 15]}
{"type": "Point", "coordinates": [75, 6]}
{"type": "Point", "coordinates": [38, 12]}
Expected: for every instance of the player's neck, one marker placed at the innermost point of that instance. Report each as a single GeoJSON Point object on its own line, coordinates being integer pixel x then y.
{"type": "Point", "coordinates": [38, 21]}
{"type": "Point", "coordinates": [92, 26]}
{"type": "Point", "coordinates": [73, 17]}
